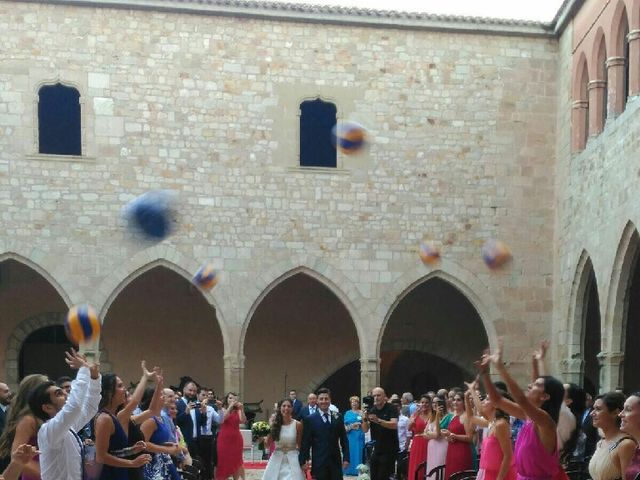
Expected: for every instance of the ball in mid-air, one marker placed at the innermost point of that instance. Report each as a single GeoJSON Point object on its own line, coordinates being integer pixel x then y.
{"type": "Point", "coordinates": [152, 214]}
{"type": "Point", "coordinates": [349, 137]}
{"type": "Point", "coordinates": [82, 324]}
{"type": "Point", "coordinates": [496, 254]}
{"type": "Point", "coordinates": [429, 253]}
{"type": "Point", "coordinates": [206, 277]}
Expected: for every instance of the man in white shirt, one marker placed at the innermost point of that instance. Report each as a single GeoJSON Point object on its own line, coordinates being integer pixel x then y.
{"type": "Point", "coordinates": [206, 418]}
{"type": "Point", "coordinates": [61, 449]}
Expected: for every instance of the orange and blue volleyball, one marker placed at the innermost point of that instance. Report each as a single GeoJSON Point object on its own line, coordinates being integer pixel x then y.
{"type": "Point", "coordinates": [496, 254]}
{"type": "Point", "coordinates": [82, 324]}
{"type": "Point", "coordinates": [429, 253]}
{"type": "Point", "coordinates": [349, 137]}
{"type": "Point", "coordinates": [206, 277]}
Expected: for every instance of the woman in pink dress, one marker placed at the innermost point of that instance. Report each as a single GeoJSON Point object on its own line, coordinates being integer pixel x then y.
{"type": "Point", "coordinates": [496, 461]}
{"type": "Point", "coordinates": [437, 445]}
{"type": "Point", "coordinates": [630, 416]}
{"type": "Point", "coordinates": [459, 436]}
{"type": "Point", "coordinates": [536, 451]}
{"type": "Point", "coordinates": [417, 424]}
{"type": "Point", "coordinates": [229, 442]}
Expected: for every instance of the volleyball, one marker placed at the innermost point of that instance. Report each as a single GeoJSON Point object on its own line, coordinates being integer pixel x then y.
{"type": "Point", "coordinates": [349, 137]}
{"type": "Point", "coordinates": [206, 277]}
{"type": "Point", "coordinates": [152, 214]}
{"type": "Point", "coordinates": [82, 324]}
{"type": "Point", "coordinates": [429, 253]}
{"type": "Point", "coordinates": [495, 254]}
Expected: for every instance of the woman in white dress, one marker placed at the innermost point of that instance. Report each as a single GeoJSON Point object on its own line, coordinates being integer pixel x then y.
{"type": "Point", "coordinates": [287, 434]}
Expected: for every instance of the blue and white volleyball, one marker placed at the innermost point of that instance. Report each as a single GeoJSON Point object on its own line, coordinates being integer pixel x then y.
{"type": "Point", "coordinates": [82, 324]}
{"type": "Point", "coordinates": [152, 214]}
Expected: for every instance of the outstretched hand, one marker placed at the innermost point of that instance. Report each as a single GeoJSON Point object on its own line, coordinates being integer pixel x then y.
{"type": "Point", "coordinates": [152, 375]}
{"type": "Point", "coordinates": [541, 352]}
{"type": "Point", "coordinates": [75, 359]}
{"type": "Point", "coordinates": [24, 453]}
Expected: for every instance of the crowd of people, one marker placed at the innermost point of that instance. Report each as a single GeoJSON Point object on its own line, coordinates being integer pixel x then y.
{"type": "Point", "coordinates": [93, 428]}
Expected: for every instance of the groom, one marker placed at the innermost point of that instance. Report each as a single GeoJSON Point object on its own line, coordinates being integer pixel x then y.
{"type": "Point", "coordinates": [324, 434]}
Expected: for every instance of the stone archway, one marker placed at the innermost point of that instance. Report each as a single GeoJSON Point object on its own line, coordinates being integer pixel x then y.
{"type": "Point", "coordinates": [300, 333]}
{"type": "Point", "coordinates": [433, 332]}
{"type": "Point", "coordinates": [622, 314]}
{"type": "Point", "coordinates": [582, 365]}
{"type": "Point", "coordinates": [20, 334]}
{"type": "Point", "coordinates": [158, 315]}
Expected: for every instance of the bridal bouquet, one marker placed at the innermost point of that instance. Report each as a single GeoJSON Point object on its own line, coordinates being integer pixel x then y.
{"type": "Point", "coordinates": [260, 429]}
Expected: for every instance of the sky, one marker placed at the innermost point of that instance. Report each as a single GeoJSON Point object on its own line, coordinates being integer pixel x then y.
{"type": "Point", "coordinates": [538, 10]}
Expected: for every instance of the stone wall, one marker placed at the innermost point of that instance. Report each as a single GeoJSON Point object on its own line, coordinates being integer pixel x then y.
{"type": "Point", "coordinates": [463, 140]}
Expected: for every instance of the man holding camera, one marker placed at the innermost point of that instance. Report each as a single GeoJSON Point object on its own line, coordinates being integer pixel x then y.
{"type": "Point", "coordinates": [382, 419]}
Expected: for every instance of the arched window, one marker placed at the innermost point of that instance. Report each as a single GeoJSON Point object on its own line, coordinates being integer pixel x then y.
{"type": "Point", "coordinates": [59, 120]}
{"type": "Point", "coordinates": [603, 75]}
{"type": "Point", "coordinates": [317, 119]}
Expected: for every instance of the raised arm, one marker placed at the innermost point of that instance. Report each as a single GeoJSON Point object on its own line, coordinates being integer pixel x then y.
{"type": "Point", "coordinates": [124, 415]}
{"type": "Point", "coordinates": [537, 361]}
{"type": "Point", "coordinates": [74, 410]}
{"type": "Point", "coordinates": [512, 408]}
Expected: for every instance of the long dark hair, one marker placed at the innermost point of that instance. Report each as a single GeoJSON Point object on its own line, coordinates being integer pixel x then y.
{"type": "Point", "coordinates": [613, 401]}
{"type": "Point", "coordinates": [109, 381]}
{"type": "Point", "coordinates": [225, 402]}
{"type": "Point", "coordinates": [276, 426]}
{"type": "Point", "coordinates": [555, 389]}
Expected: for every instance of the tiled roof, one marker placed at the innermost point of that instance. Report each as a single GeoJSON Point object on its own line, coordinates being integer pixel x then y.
{"type": "Point", "coordinates": [361, 12]}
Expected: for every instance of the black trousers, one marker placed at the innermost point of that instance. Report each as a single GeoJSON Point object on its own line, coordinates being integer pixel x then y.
{"type": "Point", "coordinates": [327, 471]}
{"type": "Point", "coordinates": [205, 449]}
{"type": "Point", "coordinates": [382, 465]}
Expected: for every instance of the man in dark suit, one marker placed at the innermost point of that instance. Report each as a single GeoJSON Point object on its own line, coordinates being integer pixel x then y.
{"type": "Point", "coordinates": [5, 400]}
{"type": "Point", "coordinates": [311, 407]}
{"type": "Point", "coordinates": [297, 404]}
{"type": "Point", "coordinates": [189, 417]}
{"type": "Point", "coordinates": [323, 434]}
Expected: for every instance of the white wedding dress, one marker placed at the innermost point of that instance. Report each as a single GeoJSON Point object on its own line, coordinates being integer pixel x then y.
{"type": "Point", "coordinates": [283, 463]}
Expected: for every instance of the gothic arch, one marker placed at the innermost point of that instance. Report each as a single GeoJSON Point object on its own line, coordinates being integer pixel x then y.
{"type": "Point", "coordinates": [576, 307]}
{"type": "Point", "coordinates": [40, 270]}
{"type": "Point", "coordinates": [329, 368]}
{"type": "Point", "coordinates": [168, 258]}
{"type": "Point", "coordinates": [619, 283]}
{"type": "Point", "coordinates": [330, 277]}
{"type": "Point", "coordinates": [461, 279]}
{"type": "Point", "coordinates": [20, 334]}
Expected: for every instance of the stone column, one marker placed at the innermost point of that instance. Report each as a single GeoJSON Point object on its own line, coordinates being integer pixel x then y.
{"type": "Point", "coordinates": [572, 368]}
{"type": "Point", "coordinates": [610, 370]}
{"type": "Point", "coordinates": [234, 374]}
{"type": "Point", "coordinates": [579, 124]}
{"type": "Point", "coordinates": [616, 79]}
{"type": "Point", "coordinates": [369, 374]}
{"type": "Point", "coordinates": [634, 66]}
{"type": "Point", "coordinates": [596, 106]}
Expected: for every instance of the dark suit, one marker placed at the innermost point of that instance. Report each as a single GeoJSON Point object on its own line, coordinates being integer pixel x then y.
{"type": "Point", "coordinates": [591, 434]}
{"type": "Point", "coordinates": [3, 420]}
{"type": "Point", "coordinates": [297, 407]}
{"type": "Point", "coordinates": [185, 422]}
{"type": "Point", "coordinates": [304, 412]}
{"type": "Point", "coordinates": [324, 441]}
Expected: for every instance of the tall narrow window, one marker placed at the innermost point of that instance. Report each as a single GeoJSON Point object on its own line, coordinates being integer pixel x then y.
{"type": "Point", "coordinates": [317, 119]}
{"type": "Point", "coordinates": [59, 120]}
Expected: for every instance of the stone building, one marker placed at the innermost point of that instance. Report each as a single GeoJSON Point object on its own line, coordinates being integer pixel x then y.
{"type": "Point", "coordinates": [479, 129]}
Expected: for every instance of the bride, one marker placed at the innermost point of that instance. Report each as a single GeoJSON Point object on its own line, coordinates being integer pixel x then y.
{"type": "Point", "coordinates": [287, 434]}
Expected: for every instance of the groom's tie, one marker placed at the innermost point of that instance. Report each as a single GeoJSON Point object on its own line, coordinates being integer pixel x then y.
{"type": "Point", "coordinates": [326, 417]}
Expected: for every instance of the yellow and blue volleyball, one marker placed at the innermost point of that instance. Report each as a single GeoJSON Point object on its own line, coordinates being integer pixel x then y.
{"type": "Point", "coordinates": [349, 137]}
{"type": "Point", "coordinates": [496, 254]}
{"type": "Point", "coordinates": [429, 253]}
{"type": "Point", "coordinates": [82, 324]}
{"type": "Point", "coordinates": [206, 277]}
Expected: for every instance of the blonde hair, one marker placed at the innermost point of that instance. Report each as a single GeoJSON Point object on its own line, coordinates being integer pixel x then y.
{"type": "Point", "coordinates": [19, 409]}
{"type": "Point", "coordinates": [356, 398]}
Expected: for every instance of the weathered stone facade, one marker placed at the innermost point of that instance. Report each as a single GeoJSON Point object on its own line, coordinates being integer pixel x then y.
{"type": "Point", "coordinates": [470, 129]}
